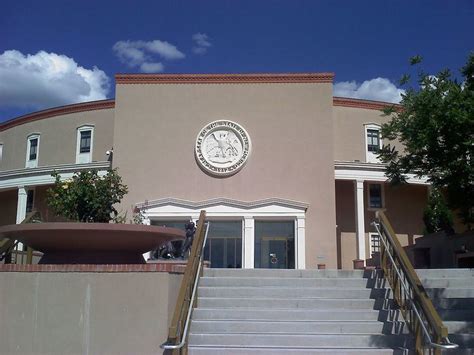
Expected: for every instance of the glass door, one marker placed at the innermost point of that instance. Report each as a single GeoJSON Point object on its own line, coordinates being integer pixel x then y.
{"type": "Point", "coordinates": [275, 244]}
{"type": "Point", "coordinates": [224, 244]}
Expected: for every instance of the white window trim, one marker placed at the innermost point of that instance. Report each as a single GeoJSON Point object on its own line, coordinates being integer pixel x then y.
{"type": "Point", "coordinates": [248, 217]}
{"type": "Point", "coordinates": [371, 234]}
{"type": "Point", "coordinates": [32, 163]}
{"type": "Point", "coordinates": [84, 158]}
{"type": "Point", "coordinates": [369, 156]}
{"type": "Point", "coordinates": [382, 192]}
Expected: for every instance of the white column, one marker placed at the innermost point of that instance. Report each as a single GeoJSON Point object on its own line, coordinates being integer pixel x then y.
{"type": "Point", "coordinates": [21, 204]}
{"type": "Point", "coordinates": [360, 220]}
{"type": "Point", "coordinates": [249, 243]}
{"type": "Point", "coordinates": [300, 243]}
{"type": "Point", "coordinates": [146, 222]}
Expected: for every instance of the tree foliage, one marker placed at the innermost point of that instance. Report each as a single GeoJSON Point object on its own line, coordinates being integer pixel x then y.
{"type": "Point", "coordinates": [437, 216]}
{"type": "Point", "coordinates": [87, 197]}
{"type": "Point", "coordinates": [435, 124]}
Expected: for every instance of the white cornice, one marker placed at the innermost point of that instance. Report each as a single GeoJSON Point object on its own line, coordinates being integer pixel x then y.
{"type": "Point", "coordinates": [42, 175]}
{"type": "Point", "coordinates": [223, 201]}
{"type": "Point", "coordinates": [369, 171]}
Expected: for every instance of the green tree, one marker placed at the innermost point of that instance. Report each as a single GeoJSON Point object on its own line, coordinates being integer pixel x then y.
{"type": "Point", "coordinates": [435, 124]}
{"type": "Point", "coordinates": [87, 197]}
{"type": "Point", "coordinates": [437, 216]}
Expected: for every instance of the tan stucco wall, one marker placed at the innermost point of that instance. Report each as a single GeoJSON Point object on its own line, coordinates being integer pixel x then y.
{"type": "Point", "coordinates": [57, 138]}
{"type": "Point", "coordinates": [8, 202]}
{"type": "Point", "coordinates": [290, 127]}
{"type": "Point", "coordinates": [403, 206]}
{"type": "Point", "coordinates": [85, 313]}
{"type": "Point", "coordinates": [349, 131]}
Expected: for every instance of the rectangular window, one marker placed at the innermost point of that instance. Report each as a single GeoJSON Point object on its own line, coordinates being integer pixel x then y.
{"type": "Point", "coordinates": [275, 244]}
{"type": "Point", "coordinates": [375, 196]}
{"type": "Point", "coordinates": [30, 198]}
{"type": "Point", "coordinates": [373, 140]}
{"type": "Point", "coordinates": [374, 243]}
{"type": "Point", "coordinates": [85, 145]}
{"type": "Point", "coordinates": [224, 244]}
{"type": "Point", "coordinates": [33, 149]}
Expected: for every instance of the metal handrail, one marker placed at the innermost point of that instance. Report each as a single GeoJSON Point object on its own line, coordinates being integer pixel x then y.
{"type": "Point", "coordinates": [406, 273]}
{"type": "Point", "coordinates": [10, 246]}
{"type": "Point", "coordinates": [185, 303]}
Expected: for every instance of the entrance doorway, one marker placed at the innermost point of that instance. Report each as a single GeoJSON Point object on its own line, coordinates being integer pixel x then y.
{"type": "Point", "coordinates": [275, 244]}
{"type": "Point", "coordinates": [224, 244]}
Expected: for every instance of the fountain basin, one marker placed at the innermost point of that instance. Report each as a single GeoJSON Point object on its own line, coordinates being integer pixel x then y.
{"type": "Point", "coordinates": [91, 243]}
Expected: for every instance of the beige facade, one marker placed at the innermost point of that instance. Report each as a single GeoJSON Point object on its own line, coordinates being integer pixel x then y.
{"type": "Point", "coordinates": [308, 152]}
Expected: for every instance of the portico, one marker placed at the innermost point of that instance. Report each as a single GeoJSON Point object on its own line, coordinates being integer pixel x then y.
{"type": "Point", "coordinates": [272, 231]}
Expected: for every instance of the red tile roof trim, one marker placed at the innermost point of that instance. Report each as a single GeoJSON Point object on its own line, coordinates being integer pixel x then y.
{"type": "Point", "coordinates": [62, 110]}
{"type": "Point", "coordinates": [107, 268]}
{"type": "Point", "coordinates": [223, 78]}
{"type": "Point", "coordinates": [358, 103]}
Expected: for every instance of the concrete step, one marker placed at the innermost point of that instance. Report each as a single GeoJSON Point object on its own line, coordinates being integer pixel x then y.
{"type": "Point", "coordinates": [464, 340]}
{"type": "Point", "coordinates": [301, 341]}
{"type": "Point", "coordinates": [445, 273]}
{"type": "Point", "coordinates": [280, 273]}
{"type": "Point", "coordinates": [286, 282]}
{"type": "Point", "coordinates": [456, 293]}
{"type": "Point", "coordinates": [448, 282]}
{"type": "Point", "coordinates": [287, 327]}
{"type": "Point", "coordinates": [207, 350]}
{"type": "Point", "coordinates": [456, 314]}
{"type": "Point", "coordinates": [459, 327]}
{"type": "Point", "coordinates": [453, 303]}
{"type": "Point", "coordinates": [289, 292]}
{"type": "Point", "coordinates": [458, 351]}
{"type": "Point", "coordinates": [251, 314]}
{"type": "Point", "coordinates": [287, 303]}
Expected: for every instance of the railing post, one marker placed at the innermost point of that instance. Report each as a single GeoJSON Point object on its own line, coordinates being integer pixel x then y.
{"type": "Point", "coordinates": [416, 307]}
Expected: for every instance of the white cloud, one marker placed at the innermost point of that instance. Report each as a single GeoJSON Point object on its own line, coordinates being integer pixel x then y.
{"type": "Point", "coordinates": [163, 49]}
{"type": "Point", "coordinates": [201, 43]}
{"type": "Point", "coordinates": [47, 79]}
{"type": "Point", "coordinates": [151, 67]}
{"type": "Point", "coordinates": [380, 89]}
{"type": "Point", "coordinates": [143, 54]}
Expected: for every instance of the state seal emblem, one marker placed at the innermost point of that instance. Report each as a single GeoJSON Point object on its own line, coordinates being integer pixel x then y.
{"type": "Point", "coordinates": [222, 148]}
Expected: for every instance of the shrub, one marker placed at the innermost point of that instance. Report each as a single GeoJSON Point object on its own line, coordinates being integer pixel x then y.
{"type": "Point", "coordinates": [87, 197]}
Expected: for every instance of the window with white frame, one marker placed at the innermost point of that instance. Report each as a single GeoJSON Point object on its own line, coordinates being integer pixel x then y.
{"type": "Point", "coordinates": [32, 150]}
{"type": "Point", "coordinates": [376, 200]}
{"type": "Point", "coordinates": [374, 240]}
{"type": "Point", "coordinates": [373, 142]}
{"type": "Point", "coordinates": [84, 144]}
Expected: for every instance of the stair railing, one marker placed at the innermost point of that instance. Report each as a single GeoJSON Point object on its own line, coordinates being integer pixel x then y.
{"type": "Point", "coordinates": [415, 305]}
{"type": "Point", "coordinates": [178, 330]}
{"type": "Point", "coordinates": [9, 247]}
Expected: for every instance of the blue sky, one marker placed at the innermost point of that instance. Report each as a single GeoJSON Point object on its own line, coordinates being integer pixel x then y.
{"type": "Point", "coordinates": [49, 49]}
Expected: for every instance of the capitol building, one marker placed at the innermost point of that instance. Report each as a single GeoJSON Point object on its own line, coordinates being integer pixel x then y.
{"type": "Point", "coordinates": [288, 173]}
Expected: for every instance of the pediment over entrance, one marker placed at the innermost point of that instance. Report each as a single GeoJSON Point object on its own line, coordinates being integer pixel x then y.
{"type": "Point", "coordinates": [224, 206]}
{"type": "Point", "coordinates": [250, 214]}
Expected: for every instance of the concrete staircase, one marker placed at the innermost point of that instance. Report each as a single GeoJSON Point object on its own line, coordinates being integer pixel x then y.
{"type": "Point", "coordinates": [295, 311]}
{"type": "Point", "coordinates": [452, 294]}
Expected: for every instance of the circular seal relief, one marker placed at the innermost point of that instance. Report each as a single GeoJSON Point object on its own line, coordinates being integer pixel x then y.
{"type": "Point", "coordinates": [222, 147]}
